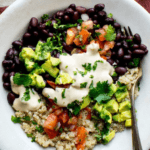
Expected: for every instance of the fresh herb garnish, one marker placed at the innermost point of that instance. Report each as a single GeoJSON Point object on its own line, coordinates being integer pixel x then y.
{"type": "Point", "coordinates": [65, 54]}
{"type": "Point", "coordinates": [26, 118]}
{"type": "Point", "coordinates": [63, 26]}
{"type": "Point", "coordinates": [79, 20]}
{"type": "Point", "coordinates": [82, 73]}
{"type": "Point", "coordinates": [39, 129]}
{"type": "Point", "coordinates": [96, 34]}
{"type": "Point", "coordinates": [135, 63]}
{"type": "Point", "coordinates": [39, 100]}
{"type": "Point", "coordinates": [96, 26]}
{"type": "Point", "coordinates": [102, 98]}
{"type": "Point", "coordinates": [33, 122]}
{"type": "Point", "coordinates": [29, 135]}
{"type": "Point", "coordinates": [129, 40]}
{"type": "Point", "coordinates": [110, 35]}
{"type": "Point", "coordinates": [114, 74]}
{"type": "Point", "coordinates": [16, 119]}
{"type": "Point", "coordinates": [100, 49]}
{"type": "Point", "coordinates": [91, 76]}
{"type": "Point", "coordinates": [48, 23]}
{"type": "Point", "coordinates": [83, 47]}
{"type": "Point", "coordinates": [95, 64]}
{"type": "Point", "coordinates": [33, 139]}
{"type": "Point", "coordinates": [75, 73]}
{"type": "Point", "coordinates": [45, 16]}
{"type": "Point", "coordinates": [63, 93]}
{"type": "Point", "coordinates": [66, 67]}
{"type": "Point", "coordinates": [61, 130]}
{"type": "Point", "coordinates": [138, 86]}
{"type": "Point", "coordinates": [110, 15]}
{"type": "Point", "coordinates": [55, 100]}
{"type": "Point", "coordinates": [87, 67]}
{"type": "Point", "coordinates": [98, 137]}
{"type": "Point", "coordinates": [83, 85]}
{"type": "Point", "coordinates": [26, 95]}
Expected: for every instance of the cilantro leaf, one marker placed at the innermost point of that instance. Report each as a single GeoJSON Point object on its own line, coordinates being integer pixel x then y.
{"type": "Point", "coordinates": [48, 23]}
{"type": "Point", "coordinates": [16, 119]}
{"type": "Point", "coordinates": [98, 137]}
{"type": "Point", "coordinates": [95, 64]}
{"type": "Point", "coordinates": [55, 100]}
{"type": "Point", "coordinates": [39, 100]}
{"type": "Point", "coordinates": [96, 26]}
{"type": "Point", "coordinates": [22, 79]}
{"type": "Point", "coordinates": [83, 85]}
{"type": "Point", "coordinates": [91, 76]}
{"type": "Point", "coordinates": [102, 98]}
{"type": "Point", "coordinates": [83, 47]}
{"type": "Point", "coordinates": [110, 15]}
{"type": "Point", "coordinates": [65, 54]}
{"type": "Point", "coordinates": [79, 20]}
{"type": "Point", "coordinates": [39, 129]}
{"type": "Point", "coordinates": [26, 118]}
{"type": "Point", "coordinates": [75, 73]}
{"type": "Point", "coordinates": [33, 139]}
{"type": "Point", "coordinates": [45, 16]}
{"type": "Point", "coordinates": [26, 95]}
{"type": "Point", "coordinates": [29, 135]}
{"type": "Point", "coordinates": [87, 67]}
{"type": "Point", "coordinates": [110, 35]}
{"type": "Point", "coordinates": [96, 34]}
{"type": "Point", "coordinates": [63, 93]}
{"type": "Point", "coordinates": [75, 107]}
{"type": "Point", "coordinates": [33, 122]}
{"type": "Point", "coordinates": [114, 74]}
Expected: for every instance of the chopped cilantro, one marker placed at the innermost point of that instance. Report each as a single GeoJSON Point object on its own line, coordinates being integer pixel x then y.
{"type": "Point", "coordinates": [66, 67]}
{"type": "Point", "coordinates": [101, 98]}
{"type": "Point", "coordinates": [87, 67]}
{"type": "Point", "coordinates": [95, 117]}
{"type": "Point", "coordinates": [16, 119]}
{"type": "Point", "coordinates": [135, 111]}
{"type": "Point", "coordinates": [22, 79]}
{"type": "Point", "coordinates": [45, 16]}
{"type": "Point", "coordinates": [100, 49]}
{"type": "Point", "coordinates": [110, 35]}
{"type": "Point", "coordinates": [91, 76]}
{"type": "Point", "coordinates": [53, 106]}
{"type": "Point", "coordinates": [33, 139]}
{"type": "Point", "coordinates": [32, 91]}
{"type": "Point", "coordinates": [75, 107]}
{"type": "Point", "coordinates": [29, 135]}
{"type": "Point", "coordinates": [39, 100]}
{"type": "Point", "coordinates": [96, 34]}
{"type": "Point", "coordinates": [138, 86]}
{"type": "Point", "coordinates": [26, 118]}
{"type": "Point", "coordinates": [63, 93]}
{"type": "Point", "coordinates": [82, 73]}
{"type": "Point", "coordinates": [95, 64]}
{"type": "Point", "coordinates": [135, 63]}
{"type": "Point", "coordinates": [55, 100]}
{"type": "Point", "coordinates": [91, 85]}
{"type": "Point", "coordinates": [83, 85]}
{"type": "Point", "coordinates": [63, 26]}
{"type": "Point", "coordinates": [129, 40]}
{"type": "Point", "coordinates": [79, 20]}
{"type": "Point", "coordinates": [114, 74]}
{"type": "Point", "coordinates": [96, 26]}
{"type": "Point", "coordinates": [58, 21]}
{"type": "Point", "coordinates": [61, 130]}
{"type": "Point", "coordinates": [75, 73]}
{"type": "Point", "coordinates": [33, 122]}
{"type": "Point", "coordinates": [65, 54]}
{"type": "Point", "coordinates": [26, 95]}
{"type": "Point", "coordinates": [83, 47]}
{"type": "Point", "coordinates": [39, 129]}
{"type": "Point", "coordinates": [78, 36]}
{"type": "Point", "coordinates": [48, 23]}
{"type": "Point", "coordinates": [110, 15]}
{"type": "Point", "coordinates": [98, 137]}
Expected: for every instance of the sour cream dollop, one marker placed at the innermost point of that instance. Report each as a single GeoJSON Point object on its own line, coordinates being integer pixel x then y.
{"type": "Point", "coordinates": [75, 63]}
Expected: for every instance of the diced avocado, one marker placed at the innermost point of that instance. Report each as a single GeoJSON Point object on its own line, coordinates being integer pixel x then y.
{"type": "Point", "coordinates": [38, 70]}
{"type": "Point", "coordinates": [128, 123]}
{"type": "Point", "coordinates": [117, 118]}
{"type": "Point", "coordinates": [121, 93]}
{"type": "Point", "coordinates": [37, 81]}
{"type": "Point", "coordinates": [29, 64]}
{"type": "Point", "coordinates": [126, 115]}
{"type": "Point", "coordinates": [40, 53]}
{"type": "Point", "coordinates": [26, 53]}
{"type": "Point", "coordinates": [63, 78]}
{"type": "Point", "coordinates": [126, 105]}
{"type": "Point", "coordinates": [55, 61]}
{"type": "Point", "coordinates": [53, 71]}
{"type": "Point", "coordinates": [106, 115]}
{"type": "Point", "coordinates": [86, 102]}
{"type": "Point", "coordinates": [112, 106]}
{"type": "Point", "coordinates": [98, 107]}
{"type": "Point", "coordinates": [113, 89]}
{"type": "Point", "coordinates": [109, 137]}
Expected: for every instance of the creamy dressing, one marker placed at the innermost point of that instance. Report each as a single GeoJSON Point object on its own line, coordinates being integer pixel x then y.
{"type": "Point", "coordinates": [31, 105]}
{"type": "Point", "coordinates": [103, 72]}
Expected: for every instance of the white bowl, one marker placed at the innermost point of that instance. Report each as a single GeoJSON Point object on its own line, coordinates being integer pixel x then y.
{"type": "Point", "coordinates": [13, 23]}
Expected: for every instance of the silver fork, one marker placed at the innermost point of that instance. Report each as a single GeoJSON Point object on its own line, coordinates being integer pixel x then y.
{"type": "Point", "coordinates": [135, 133]}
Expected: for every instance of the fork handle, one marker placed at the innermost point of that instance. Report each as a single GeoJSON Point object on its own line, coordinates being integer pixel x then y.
{"type": "Point", "coordinates": [135, 133]}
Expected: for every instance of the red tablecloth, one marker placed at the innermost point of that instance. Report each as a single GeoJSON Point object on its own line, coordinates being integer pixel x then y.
{"type": "Point", "coordinates": [144, 3]}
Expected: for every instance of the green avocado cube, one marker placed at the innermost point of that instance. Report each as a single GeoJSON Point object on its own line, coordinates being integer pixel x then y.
{"type": "Point", "coordinates": [109, 137]}
{"type": "Point", "coordinates": [26, 53]}
{"type": "Point", "coordinates": [47, 66]}
{"type": "Point", "coordinates": [55, 61]}
{"type": "Point", "coordinates": [112, 106]}
{"type": "Point", "coordinates": [64, 78]}
{"type": "Point", "coordinates": [113, 89]}
{"type": "Point", "coordinates": [106, 115]}
{"type": "Point", "coordinates": [117, 118]}
{"type": "Point", "coordinates": [98, 107]}
{"type": "Point", "coordinates": [38, 70]}
{"type": "Point", "coordinates": [29, 64]}
{"type": "Point", "coordinates": [128, 123]}
{"type": "Point", "coordinates": [124, 106]}
{"type": "Point", "coordinates": [125, 115]}
{"type": "Point", "coordinates": [86, 102]}
{"type": "Point", "coordinates": [121, 93]}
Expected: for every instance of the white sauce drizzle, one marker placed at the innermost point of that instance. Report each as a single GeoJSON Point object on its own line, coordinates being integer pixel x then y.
{"type": "Point", "coordinates": [102, 73]}
{"type": "Point", "coordinates": [31, 105]}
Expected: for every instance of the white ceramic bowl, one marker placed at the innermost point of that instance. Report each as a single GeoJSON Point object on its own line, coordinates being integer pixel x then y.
{"type": "Point", "coordinates": [13, 23]}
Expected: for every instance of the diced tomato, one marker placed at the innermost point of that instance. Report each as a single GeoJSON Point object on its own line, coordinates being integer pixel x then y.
{"type": "Point", "coordinates": [105, 58]}
{"type": "Point", "coordinates": [64, 117]}
{"type": "Point", "coordinates": [73, 120]}
{"type": "Point", "coordinates": [58, 111]}
{"type": "Point", "coordinates": [87, 24]}
{"type": "Point", "coordinates": [102, 36]}
{"type": "Point", "coordinates": [89, 113]}
{"type": "Point", "coordinates": [77, 42]}
{"type": "Point", "coordinates": [51, 121]}
{"type": "Point", "coordinates": [109, 45]}
{"type": "Point", "coordinates": [51, 133]}
{"type": "Point", "coordinates": [80, 146]}
{"type": "Point", "coordinates": [85, 34]}
{"type": "Point", "coordinates": [71, 34]}
{"type": "Point", "coordinates": [81, 134]}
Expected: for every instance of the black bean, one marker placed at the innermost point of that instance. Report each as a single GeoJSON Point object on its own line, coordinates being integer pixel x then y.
{"type": "Point", "coordinates": [109, 20]}
{"type": "Point", "coordinates": [118, 44]}
{"type": "Point", "coordinates": [129, 52]}
{"type": "Point", "coordinates": [115, 79]}
{"type": "Point", "coordinates": [137, 38]}
{"type": "Point", "coordinates": [120, 70]}
{"type": "Point", "coordinates": [135, 46]}
{"type": "Point", "coordinates": [102, 15]}
{"type": "Point", "coordinates": [36, 34]}
{"type": "Point", "coordinates": [42, 26]}
{"type": "Point", "coordinates": [50, 34]}
{"type": "Point", "coordinates": [7, 63]}
{"type": "Point", "coordinates": [146, 51]}
{"type": "Point", "coordinates": [6, 86]}
{"type": "Point", "coordinates": [81, 10]}
{"type": "Point", "coordinates": [117, 25]}
{"type": "Point", "coordinates": [34, 22]}
{"type": "Point", "coordinates": [118, 36]}
{"type": "Point", "coordinates": [57, 55]}
{"type": "Point", "coordinates": [99, 7]}
{"type": "Point", "coordinates": [95, 17]}
{"type": "Point", "coordinates": [76, 16]}
{"type": "Point", "coordinates": [127, 57]}
{"type": "Point", "coordinates": [138, 52]}
{"type": "Point", "coordinates": [125, 44]}
{"type": "Point", "coordinates": [5, 77]}
{"type": "Point", "coordinates": [143, 47]}
{"type": "Point", "coordinates": [16, 60]}
{"type": "Point", "coordinates": [68, 48]}
{"type": "Point", "coordinates": [11, 97]}
{"type": "Point", "coordinates": [90, 12]}
{"type": "Point", "coordinates": [17, 44]}
{"type": "Point", "coordinates": [13, 67]}
{"type": "Point", "coordinates": [27, 36]}
{"type": "Point", "coordinates": [95, 22]}
{"type": "Point", "coordinates": [123, 37]}
{"type": "Point", "coordinates": [60, 13]}
{"type": "Point", "coordinates": [45, 32]}
{"type": "Point", "coordinates": [9, 54]}
{"type": "Point", "coordinates": [69, 12]}
{"type": "Point", "coordinates": [67, 18]}
{"type": "Point", "coordinates": [12, 74]}
{"type": "Point", "coordinates": [73, 6]}
{"type": "Point", "coordinates": [110, 61]}
{"type": "Point", "coordinates": [113, 54]}
{"type": "Point", "coordinates": [120, 53]}
{"type": "Point", "coordinates": [29, 29]}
